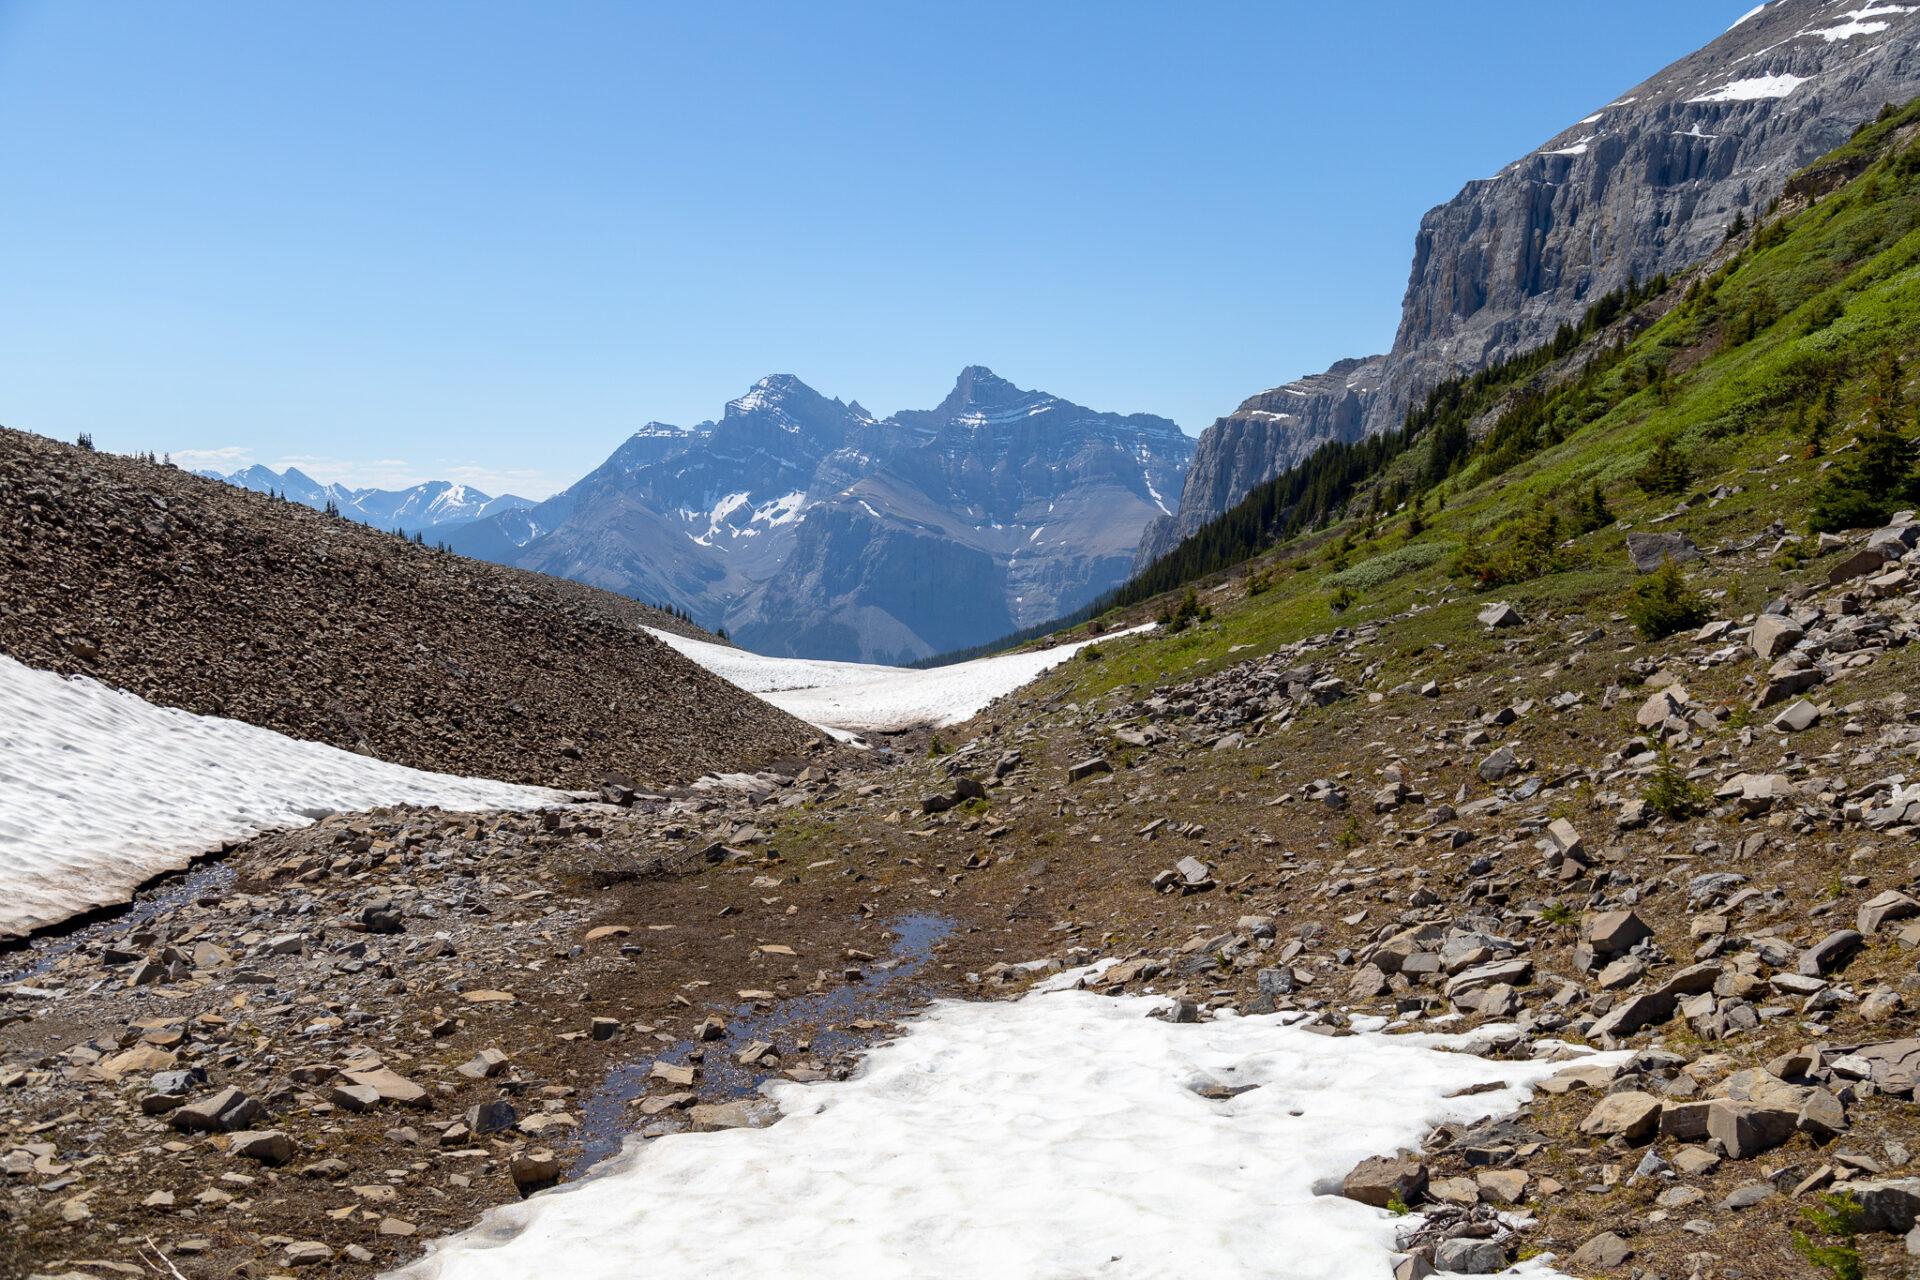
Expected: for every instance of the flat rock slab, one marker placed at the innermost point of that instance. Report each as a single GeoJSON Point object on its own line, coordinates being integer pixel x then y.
{"type": "Point", "coordinates": [1649, 550]}
{"type": "Point", "coordinates": [1630, 1115]}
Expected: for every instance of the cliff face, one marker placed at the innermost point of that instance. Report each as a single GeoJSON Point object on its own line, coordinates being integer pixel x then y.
{"type": "Point", "coordinates": [1262, 438]}
{"type": "Point", "coordinates": [1645, 184]}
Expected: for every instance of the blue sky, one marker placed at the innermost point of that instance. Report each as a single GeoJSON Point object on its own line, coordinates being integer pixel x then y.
{"type": "Point", "coordinates": [484, 241]}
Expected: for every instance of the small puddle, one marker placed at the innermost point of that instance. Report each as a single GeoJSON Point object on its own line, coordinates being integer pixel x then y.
{"type": "Point", "coordinates": [883, 995]}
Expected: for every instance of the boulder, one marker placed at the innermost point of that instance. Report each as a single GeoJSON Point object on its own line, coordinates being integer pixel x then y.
{"type": "Point", "coordinates": [269, 1146]}
{"type": "Point", "coordinates": [1882, 907]}
{"type": "Point", "coordinates": [1798, 718]}
{"type": "Point", "coordinates": [1378, 1180]}
{"type": "Point", "coordinates": [743, 1113]}
{"type": "Point", "coordinates": [1649, 550]}
{"type": "Point", "coordinates": [1602, 1253]}
{"type": "Point", "coordinates": [388, 1086]}
{"type": "Point", "coordinates": [1785, 684]}
{"type": "Point", "coordinates": [1498, 765]}
{"type": "Point", "coordinates": [1888, 1204]}
{"type": "Point", "coordinates": [1865, 560]}
{"type": "Point", "coordinates": [1631, 1014]}
{"type": "Point", "coordinates": [1685, 1121]}
{"type": "Point", "coordinates": [1087, 768]}
{"type": "Point", "coordinates": [1503, 1186]}
{"type": "Point", "coordinates": [1630, 1115]}
{"type": "Point", "coordinates": [485, 1064]}
{"type": "Point", "coordinates": [533, 1170]}
{"type": "Point", "coordinates": [1501, 615]}
{"type": "Point", "coordinates": [1660, 706]}
{"type": "Point", "coordinates": [1611, 932]}
{"type": "Point", "coordinates": [1745, 1129]}
{"type": "Point", "coordinates": [1821, 1115]}
{"type": "Point", "coordinates": [1773, 635]}
{"type": "Point", "coordinates": [221, 1112]}
{"type": "Point", "coordinates": [492, 1117]}
{"type": "Point", "coordinates": [1829, 953]}
{"type": "Point", "coordinates": [1469, 1257]}
{"type": "Point", "coordinates": [1565, 839]}
{"type": "Point", "coordinates": [1893, 1065]}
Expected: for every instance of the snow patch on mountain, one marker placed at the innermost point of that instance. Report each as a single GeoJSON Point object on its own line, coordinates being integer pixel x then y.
{"type": "Point", "coordinates": [1856, 22]}
{"type": "Point", "coordinates": [1753, 89]}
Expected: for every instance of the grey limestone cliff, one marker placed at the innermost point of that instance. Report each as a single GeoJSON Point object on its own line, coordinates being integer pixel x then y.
{"type": "Point", "coordinates": [1646, 183]}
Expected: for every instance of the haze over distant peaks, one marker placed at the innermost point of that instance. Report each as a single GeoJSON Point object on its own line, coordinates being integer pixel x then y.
{"type": "Point", "coordinates": [421, 507]}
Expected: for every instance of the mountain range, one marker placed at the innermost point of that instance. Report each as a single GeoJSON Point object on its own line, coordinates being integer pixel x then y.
{"type": "Point", "coordinates": [807, 527]}
{"type": "Point", "coordinates": [420, 508]}
{"type": "Point", "coordinates": [1648, 183]}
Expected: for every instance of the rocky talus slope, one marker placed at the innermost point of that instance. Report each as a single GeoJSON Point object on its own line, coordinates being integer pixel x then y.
{"type": "Point", "coordinates": [1649, 183]}
{"type": "Point", "coordinates": [197, 595]}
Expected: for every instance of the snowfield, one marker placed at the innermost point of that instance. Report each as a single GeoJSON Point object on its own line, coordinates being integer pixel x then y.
{"type": "Point", "coordinates": [1057, 1136]}
{"type": "Point", "coordinates": [100, 790]}
{"type": "Point", "coordinates": [1753, 89]}
{"type": "Point", "coordinates": [856, 697]}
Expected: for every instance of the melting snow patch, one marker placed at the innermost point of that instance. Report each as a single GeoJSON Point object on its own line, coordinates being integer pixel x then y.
{"type": "Point", "coordinates": [1776, 86]}
{"type": "Point", "coordinates": [1847, 30]}
{"type": "Point", "coordinates": [1571, 149]}
{"type": "Point", "coordinates": [860, 696]}
{"type": "Point", "coordinates": [1051, 1138]}
{"type": "Point", "coordinates": [782, 510]}
{"type": "Point", "coordinates": [1856, 24]}
{"type": "Point", "coordinates": [1754, 12]}
{"type": "Point", "coordinates": [100, 790]}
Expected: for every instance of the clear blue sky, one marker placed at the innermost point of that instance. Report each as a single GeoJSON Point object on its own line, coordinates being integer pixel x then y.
{"type": "Point", "coordinates": [478, 240]}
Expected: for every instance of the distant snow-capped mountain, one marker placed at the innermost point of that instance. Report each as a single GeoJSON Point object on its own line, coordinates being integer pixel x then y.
{"type": "Point", "coordinates": [810, 528]}
{"type": "Point", "coordinates": [423, 507]}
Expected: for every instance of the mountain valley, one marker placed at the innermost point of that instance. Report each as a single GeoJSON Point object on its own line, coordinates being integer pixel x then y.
{"type": "Point", "coordinates": [1473, 833]}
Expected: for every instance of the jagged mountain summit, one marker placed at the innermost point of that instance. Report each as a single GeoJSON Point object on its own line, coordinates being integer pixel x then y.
{"type": "Point", "coordinates": [810, 528]}
{"type": "Point", "coordinates": [1647, 183]}
{"type": "Point", "coordinates": [422, 507]}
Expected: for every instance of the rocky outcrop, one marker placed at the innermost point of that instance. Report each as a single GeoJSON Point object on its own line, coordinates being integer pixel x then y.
{"type": "Point", "coordinates": [1648, 183]}
{"type": "Point", "coordinates": [1262, 438]}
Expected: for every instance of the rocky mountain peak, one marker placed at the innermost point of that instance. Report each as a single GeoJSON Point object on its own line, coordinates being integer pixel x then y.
{"type": "Point", "coordinates": [979, 387]}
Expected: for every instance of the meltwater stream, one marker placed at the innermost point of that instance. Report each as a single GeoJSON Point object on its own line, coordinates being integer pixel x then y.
{"type": "Point", "coordinates": [883, 995]}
